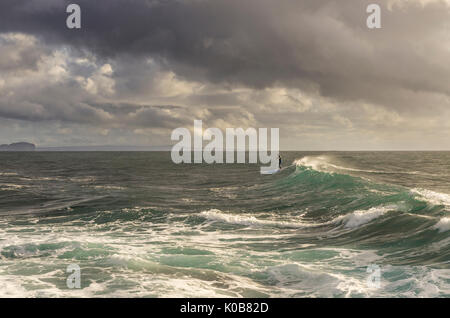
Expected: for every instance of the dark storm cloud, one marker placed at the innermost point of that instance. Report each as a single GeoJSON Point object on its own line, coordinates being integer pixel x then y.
{"type": "Point", "coordinates": [312, 44]}
{"type": "Point", "coordinates": [304, 65]}
{"type": "Point", "coordinates": [49, 107]}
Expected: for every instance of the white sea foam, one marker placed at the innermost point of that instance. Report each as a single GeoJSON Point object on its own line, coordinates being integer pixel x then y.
{"type": "Point", "coordinates": [10, 287]}
{"type": "Point", "coordinates": [351, 220]}
{"type": "Point", "coordinates": [360, 217]}
{"type": "Point", "coordinates": [443, 225]}
{"type": "Point", "coordinates": [317, 163]}
{"type": "Point", "coordinates": [435, 198]}
{"type": "Point", "coordinates": [323, 164]}
{"type": "Point", "coordinates": [45, 178]}
{"type": "Point", "coordinates": [217, 215]}
{"type": "Point", "coordinates": [135, 258]}
{"type": "Point", "coordinates": [8, 174]}
{"type": "Point", "coordinates": [108, 187]}
{"type": "Point", "coordinates": [324, 278]}
{"type": "Point", "coordinates": [11, 186]}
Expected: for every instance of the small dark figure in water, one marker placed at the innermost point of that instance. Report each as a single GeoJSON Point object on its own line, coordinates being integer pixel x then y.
{"type": "Point", "coordinates": [279, 161]}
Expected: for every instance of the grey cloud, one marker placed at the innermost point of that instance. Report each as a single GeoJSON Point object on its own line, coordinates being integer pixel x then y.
{"type": "Point", "coordinates": [321, 47]}
{"type": "Point", "coordinates": [16, 55]}
{"type": "Point", "coordinates": [312, 44]}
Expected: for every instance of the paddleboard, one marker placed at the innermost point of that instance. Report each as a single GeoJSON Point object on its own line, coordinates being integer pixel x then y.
{"type": "Point", "coordinates": [270, 171]}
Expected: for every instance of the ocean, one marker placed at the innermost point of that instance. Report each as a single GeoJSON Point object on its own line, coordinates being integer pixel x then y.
{"type": "Point", "coordinates": [331, 224]}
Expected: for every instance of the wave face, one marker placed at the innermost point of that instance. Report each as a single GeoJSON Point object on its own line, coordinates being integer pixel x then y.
{"type": "Point", "coordinates": [139, 226]}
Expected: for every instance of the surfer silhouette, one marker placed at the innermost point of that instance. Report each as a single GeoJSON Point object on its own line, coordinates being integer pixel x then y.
{"type": "Point", "coordinates": [279, 161]}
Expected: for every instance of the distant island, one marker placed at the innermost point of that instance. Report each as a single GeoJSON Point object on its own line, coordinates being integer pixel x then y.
{"type": "Point", "coordinates": [105, 148]}
{"type": "Point", "coordinates": [18, 146]}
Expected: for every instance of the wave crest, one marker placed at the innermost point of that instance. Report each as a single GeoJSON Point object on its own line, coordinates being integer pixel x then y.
{"type": "Point", "coordinates": [218, 215]}
{"type": "Point", "coordinates": [323, 164]}
{"type": "Point", "coordinates": [443, 225]}
{"type": "Point", "coordinates": [435, 198]}
{"type": "Point", "coordinates": [360, 217]}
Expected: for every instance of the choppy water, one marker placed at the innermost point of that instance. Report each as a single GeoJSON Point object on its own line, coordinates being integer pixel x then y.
{"type": "Point", "coordinates": [139, 225]}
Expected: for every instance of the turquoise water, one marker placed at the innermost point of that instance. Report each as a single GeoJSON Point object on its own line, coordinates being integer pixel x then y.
{"type": "Point", "coordinates": [140, 226]}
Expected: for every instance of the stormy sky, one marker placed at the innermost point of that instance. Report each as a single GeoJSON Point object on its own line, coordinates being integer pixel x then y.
{"type": "Point", "coordinates": [139, 68]}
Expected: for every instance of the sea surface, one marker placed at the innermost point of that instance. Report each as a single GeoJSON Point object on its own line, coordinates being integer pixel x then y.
{"type": "Point", "coordinates": [138, 225]}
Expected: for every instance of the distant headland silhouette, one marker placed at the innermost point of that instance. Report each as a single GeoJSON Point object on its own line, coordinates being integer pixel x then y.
{"type": "Point", "coordinates": [18, 146]}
